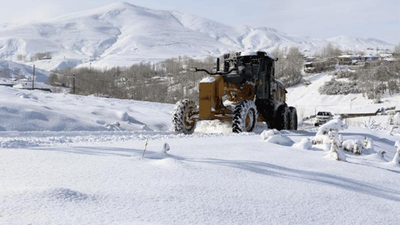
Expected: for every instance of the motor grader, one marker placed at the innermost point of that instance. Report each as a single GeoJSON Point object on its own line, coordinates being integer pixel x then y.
{"type": "Point", "coordinates": [243, 90]}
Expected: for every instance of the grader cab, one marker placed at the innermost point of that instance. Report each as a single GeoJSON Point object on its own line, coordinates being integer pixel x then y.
{"type": "Point", "coordinates": [243, 90]}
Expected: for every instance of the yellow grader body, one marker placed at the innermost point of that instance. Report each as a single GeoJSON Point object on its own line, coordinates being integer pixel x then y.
{"type": "Point", "coordinates": [211, 95]}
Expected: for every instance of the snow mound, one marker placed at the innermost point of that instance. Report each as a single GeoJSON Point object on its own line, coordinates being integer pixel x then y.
{"type": "Point", "coordinates": [276, 137]}
{"type": "Point", "coordinates": [396, 158]}
{"type": "Point", "coordinates": [213, 126]}
{"type": "Point", "coordinates": [396, 119]}
{"type": "Point", "coordinates": [305, 143]}
{"type": "Point", "coordinates": [397, 144]}
{"type": "Point", "coordinates": [122, 115]}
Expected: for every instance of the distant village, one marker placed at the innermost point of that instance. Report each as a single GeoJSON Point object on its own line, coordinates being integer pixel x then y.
{"type": "Point", "coordinates": [354, 61]}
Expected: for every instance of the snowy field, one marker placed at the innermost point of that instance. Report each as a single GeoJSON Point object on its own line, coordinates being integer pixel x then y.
{"type": "Point", "coordinates": [68, 159]}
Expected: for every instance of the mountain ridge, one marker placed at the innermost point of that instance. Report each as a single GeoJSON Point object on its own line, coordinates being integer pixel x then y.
{"type": "Point", "coordinates": [121, 34]}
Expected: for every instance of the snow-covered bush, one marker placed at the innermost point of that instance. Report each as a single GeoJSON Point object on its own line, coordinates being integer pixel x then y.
{"type": "Point", "coordinates": [355, 146]}
{"type": "Point", "coordinates": [334, 87]}
{"type": "Point", "coordinates": [368, 145]}
{"type": "Point", "coordinates": [166, 148]}
{"type": "Point", "coordinates": [276, 137]}
{"type": "Point", "coordinates": [335, 152]}
{"type": "Point", "coordinates": [373, 125]}
{"type": "Point", "coordinates": [320, 139]}
{"type": "Point", "coordinates": [329, 131]}
{"type": "Point", "coordinates": [305, 143]}
{"type": "Point", "coordinates": [333, 125]}
{"type": "Point", "coordinates": [395, 120]}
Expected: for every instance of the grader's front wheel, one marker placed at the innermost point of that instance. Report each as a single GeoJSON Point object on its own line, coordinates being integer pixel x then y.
{"type": "Point", "coordinates": [244, 116]}
{"type": "Point", "coordinates": [182, 118]}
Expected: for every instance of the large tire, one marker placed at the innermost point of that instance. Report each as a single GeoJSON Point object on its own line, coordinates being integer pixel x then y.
{"type": "Point", "coordinates": [282, 118]}
{"type": "Point", "coordinates": [293, 118]}
{"type": "Point", "coordinates": [182, 116]}
{"type": "Point", "coordinates": [244, 116]}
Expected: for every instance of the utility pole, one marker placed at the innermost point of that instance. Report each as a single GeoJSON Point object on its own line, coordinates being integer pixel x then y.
{"type": "Point", "coordinates": [33, 78]}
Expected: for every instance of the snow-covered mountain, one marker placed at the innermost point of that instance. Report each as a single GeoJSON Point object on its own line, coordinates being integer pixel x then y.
{"type": "Point", "coordinates": [121, 34]}
{"type": "Point", "coordinates": [351, 43]}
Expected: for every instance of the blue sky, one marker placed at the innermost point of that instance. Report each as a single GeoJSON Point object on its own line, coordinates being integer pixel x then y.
{"type": "Point", "coordinates": [315, 18]}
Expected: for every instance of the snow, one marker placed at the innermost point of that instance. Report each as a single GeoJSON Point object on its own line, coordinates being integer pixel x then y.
{"type": "Point", "coordinates": [37, 111]}
{"type": "Point", "coordinates": [207, 80]}
{"type": "Point", "coordinates": [396, 119]}
{"type": "Point", "coordinates": [276, 137]}
{"type": "Point", "coordinates": [305, 143]}
{"type": "Point", "coordinates": [248, 53]}
{"type": "Point", "coordinates": [64, 160]}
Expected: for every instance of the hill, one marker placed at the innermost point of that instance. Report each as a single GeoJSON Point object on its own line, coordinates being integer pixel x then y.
{"type": "Point", "coordinates": [121, 34]}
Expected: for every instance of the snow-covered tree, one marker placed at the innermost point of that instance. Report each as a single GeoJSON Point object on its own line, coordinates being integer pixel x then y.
{"type": "Point", "coordinates": [335, 152]}
{"type": "Point", "coordinates": [6, 73]}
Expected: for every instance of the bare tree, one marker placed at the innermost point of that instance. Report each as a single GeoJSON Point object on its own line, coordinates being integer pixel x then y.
{"type": "Point", "coordinates": [397, 50]}
{"type": "Point", "coordinates": [6, 74]}
{"type": "Point", "coordinates": [21, 57]}
{"type": "Point", "coordinates": [289, 65]}
{"type": "Point", "coordinates": [329, 51]}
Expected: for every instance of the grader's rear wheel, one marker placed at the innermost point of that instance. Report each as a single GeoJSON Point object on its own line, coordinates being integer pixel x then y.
{"type": "Point", "coordinates": [182, 120]}
{"type": "Point", "coordinates": [244, 116]}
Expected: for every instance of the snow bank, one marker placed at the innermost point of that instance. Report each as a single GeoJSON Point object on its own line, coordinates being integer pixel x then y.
{"type": "Point", "coordinates": [276, 137]}
{"type": "Point", "coordinates": [25, 110]}
{"type": "Point", "coordinates": [207, 80]}
{"type": "Point", "coordinates": [305, 143]}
